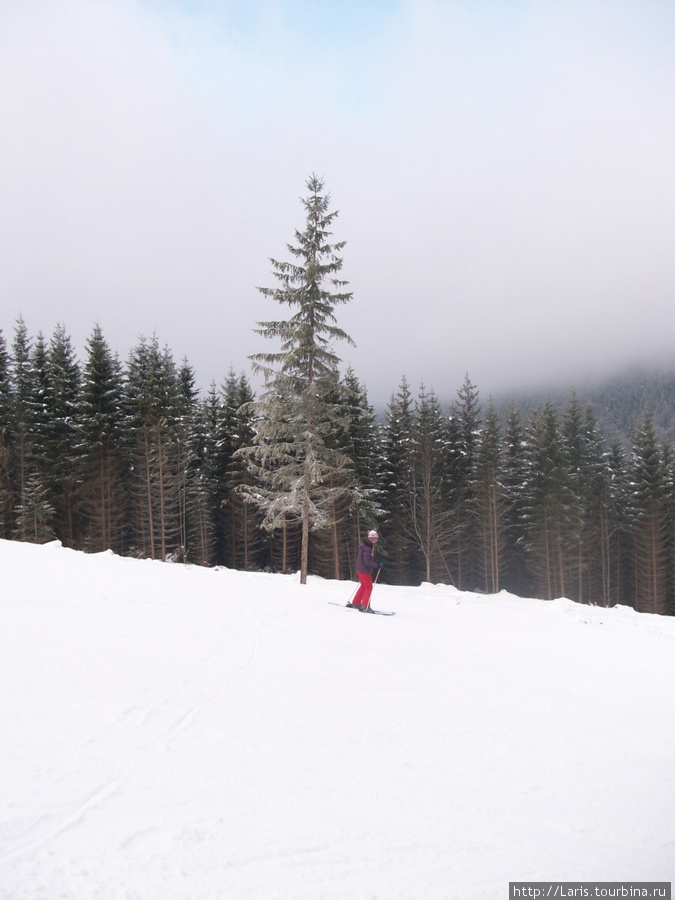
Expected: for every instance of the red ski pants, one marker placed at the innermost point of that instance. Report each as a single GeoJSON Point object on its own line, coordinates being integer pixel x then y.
{"type": "Point", "coordinates": [365, 589]}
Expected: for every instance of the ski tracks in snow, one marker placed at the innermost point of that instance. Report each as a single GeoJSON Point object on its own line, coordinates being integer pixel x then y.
{"type": "Point", "coordinates": [213, 675]}
{"type": "Point", "coordinates": [165, 706]}
{"type": "Point", "coordinates": [40, 834]}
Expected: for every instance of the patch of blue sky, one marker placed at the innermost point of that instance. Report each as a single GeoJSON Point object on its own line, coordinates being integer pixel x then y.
{"type": "Point", "coordinates": [330, 22]}
{"type": "Point", "coordinates": [241, 52]}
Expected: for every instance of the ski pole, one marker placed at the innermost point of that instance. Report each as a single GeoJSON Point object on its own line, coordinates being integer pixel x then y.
{"type": "Point", "coordinates": [374, 583]}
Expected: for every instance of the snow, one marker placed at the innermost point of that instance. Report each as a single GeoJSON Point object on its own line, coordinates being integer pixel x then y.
{"type": "Point", "coordinates": [179, 733]}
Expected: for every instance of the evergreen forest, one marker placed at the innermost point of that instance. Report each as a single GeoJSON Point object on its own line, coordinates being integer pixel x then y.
{"type": "Point", "coordinates": [131, 457]}
{"type": "Point", "coordinates": [101, 455]}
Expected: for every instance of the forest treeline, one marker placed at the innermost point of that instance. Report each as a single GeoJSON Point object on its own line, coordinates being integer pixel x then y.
{"type": "Point", "coordinates": [101, 454]}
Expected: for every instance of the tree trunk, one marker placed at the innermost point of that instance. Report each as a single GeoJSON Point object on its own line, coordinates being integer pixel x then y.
{"type": "Point", "coordinates": [162, 514]}
{"type": "Point", "coordinates": [304, 559]}
{"type": "Point", "coordinates": [151, 524]}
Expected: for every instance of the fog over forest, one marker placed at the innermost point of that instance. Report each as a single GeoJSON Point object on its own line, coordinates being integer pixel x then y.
{"type": "Point", "coordinates": [503, 173]}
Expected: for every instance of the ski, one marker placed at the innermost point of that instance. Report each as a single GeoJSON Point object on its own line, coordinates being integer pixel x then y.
{"type": "Point", "coordinates": [368, 609]}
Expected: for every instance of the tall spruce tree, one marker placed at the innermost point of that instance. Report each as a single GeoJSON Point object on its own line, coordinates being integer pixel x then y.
{"type": "Point", "coordinates": [61, 444]}
{"type": "Point", "coordinates": [153, 410]}
{"type": "Point", "coordinates": [35, 514]}
{"type": "Point", "coordinates": [41, 464]}
{"type": "Point", "coordinates": [6, 514]}
{"type": "Point", "coordinates": [197, 454]}
{"type": "Point", "coordinates": [291, 453]}
{"type": "Point", "coordinates": [489, 503]}
{"type": "Point", "coordinates": [354, 491]}
{"type": "Point", "coordinates": [575, 447]}
{"type": "Point", "coordinates": [427, 514]}
{"type": "Point", "coordinates": [183, 451]}
{"type": "Point", "coordinates": [650, 521]}
{"type": "Point", "coordinates": [463, 431]}
{"type": "Point", "coordinates": [24, 443]}
{"type": "Point", "coordinates": [239, 518]}
{"type": "Point", "coordinates": [360, 440]}
{"type": "Point", "coordinates": [514, 469]}
{"type": "Point", "coordinates": [550, 504]}
{"type": "Point", "coordinates": [618, 537]}
{"type": "Point", "coordinates": [598, 513]}
{"type": "Point", "coordinates": [402, 554]}
{"type": "Point", "coordinates": [102, 485]}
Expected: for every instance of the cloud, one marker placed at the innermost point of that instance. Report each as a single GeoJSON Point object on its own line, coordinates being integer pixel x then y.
{"type": "Point", "coordinates": [117, 198]}
{"type": "Point", "coordinates": [503, 174]}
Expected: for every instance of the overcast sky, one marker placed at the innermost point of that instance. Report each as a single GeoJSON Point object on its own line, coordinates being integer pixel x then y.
{"type": "Point", "coordinates": [504, 171]}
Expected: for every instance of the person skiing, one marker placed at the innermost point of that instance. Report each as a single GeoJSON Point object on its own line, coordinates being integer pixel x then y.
{"type": "Point", "coordinates": [365, 564]}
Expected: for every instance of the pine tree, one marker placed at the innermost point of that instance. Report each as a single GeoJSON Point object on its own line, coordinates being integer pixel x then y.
{"type": "Point", "coordinates": [669, 466]}
{"type": "Point", "coordinates": [358, 509]}
{"type": "Point", "coordinates": [291, 454]}
{"type": "Point", "coordinates": [489, 502]}
{"type": "Point", "coordinates": [200, 481]}
{"type": "Point", "coordinates": [355, 492]}
{"type": "Point", "coordinates": [575, 448]}
{"type": "Point", "coordinates": [361, 436]}
{"type": "Point", "coordinates": [275, 476]}
{"type": "Point", "coordinates": [551, 506]}
{"type": "Point", "coordinates": [25, 453]}
{"type": "Point", "coordinates": [41, 456]}
{"type": "Point", "coordinates": [102, 485]}
{"type": "Point", "coordinates": [240, 518]}
{"type": "Point", "coordinates": [427, 514]}
{"type": "Point", "coordinates": [514, 467]}
{"type": "Point", "coordinates": [39, 403]}
{"type": "Point", "coordinates": [599, 514]}
{"type": "Point", "coordinates": [463, 431]}
{"type": "Point", "coordinates": [619, 554]}
{"type": "Point", "coordinates": [35, 514]}
{"type": "Point", "coordinates": [650, 522]}
{"type": "Point", "coordinates": [183, 452]}
{"type": "Point", "coordinates": [402, 557]}
{"type": "Point", "coordinates": [153, 407]}
{"type": "Point", "coordinates": [6, 501]}
{"type": "Point", "coordinates": [60, 432]}
{"type": "Point", "coordinates": [41, 462]}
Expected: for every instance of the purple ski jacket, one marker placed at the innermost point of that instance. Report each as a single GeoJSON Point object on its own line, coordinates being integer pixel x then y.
{"type": "Point", "coordinates": [365, 561]}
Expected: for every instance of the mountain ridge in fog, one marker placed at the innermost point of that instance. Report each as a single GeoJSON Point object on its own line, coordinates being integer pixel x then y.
{"type": "Point", "coordinates": [620, 402]}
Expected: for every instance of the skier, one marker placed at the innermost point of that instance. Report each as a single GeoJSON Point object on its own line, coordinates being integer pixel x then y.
{"type": "Point", "coordinates": [365, 564]}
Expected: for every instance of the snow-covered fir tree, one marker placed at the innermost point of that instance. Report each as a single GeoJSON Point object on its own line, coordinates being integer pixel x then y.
{"type": "Point", "coordinates": [463, 432]}
{"type": "Point", "coordinates": [427, 515]}
{"type": "Point", "coordinates": [200, 479]}
{"type": "Point", "coordinates": [6, 515]}
{"type": "Point", "coordinates": [239, 518]}
{"type": "Point", "coordinates": [489, 502]}
{"type": "Point", "coordinates": [651, 532]}
{"type": "Point", "coordinates": [104, 474]}
{"type": "Point", "coordinates": [153, 411]}
{"type": "Point", "coordinates": [29, 386]}
{"type": "Point", "coordinates": [21, 382]}
{"type": "Point", "coordinates": [34, 516]}
{"type": "Point", "coordinates": [551, 508]}
{"type": "Point", "coordinates": [61, 444]}
{"type": "Point", "coordinates": [298, 471]}
{"type": "Point", "coordinates": [402, 554]}
{"type": "Point", "coordinates": [514, 574]}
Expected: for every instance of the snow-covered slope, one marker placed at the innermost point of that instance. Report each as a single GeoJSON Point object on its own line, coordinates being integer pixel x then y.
{"type": "Point", "coordinates": [175, 733]}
